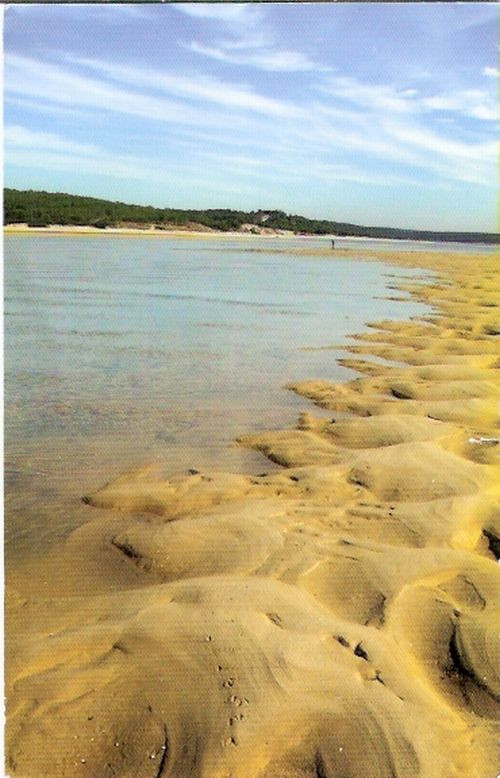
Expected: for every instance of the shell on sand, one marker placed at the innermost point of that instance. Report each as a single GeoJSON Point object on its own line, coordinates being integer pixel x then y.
{"type": "Point", "coordinates": [336, 618]}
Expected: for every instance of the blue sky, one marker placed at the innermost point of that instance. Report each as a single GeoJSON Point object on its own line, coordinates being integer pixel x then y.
{"type": "Point", "coordinates": [381, 114]}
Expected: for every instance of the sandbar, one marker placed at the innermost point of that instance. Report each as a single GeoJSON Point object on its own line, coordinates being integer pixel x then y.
{"type": "Point", "coordinates": [333, 618]}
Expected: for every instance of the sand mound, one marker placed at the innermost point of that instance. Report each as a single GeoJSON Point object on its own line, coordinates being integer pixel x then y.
{"type": "Point", "coordinates": [335, 618]}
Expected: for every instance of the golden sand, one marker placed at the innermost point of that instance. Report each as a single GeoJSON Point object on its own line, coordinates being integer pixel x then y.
{"type": "Point", "coordinates": [336, 618]}
{"type": "Point", "coordinates": [145, 231]}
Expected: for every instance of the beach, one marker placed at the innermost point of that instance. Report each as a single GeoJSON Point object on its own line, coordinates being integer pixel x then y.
{"type": "Point", "coordinates": [146, 230]}
{"type": "Point", "coordinates": [334, 614]}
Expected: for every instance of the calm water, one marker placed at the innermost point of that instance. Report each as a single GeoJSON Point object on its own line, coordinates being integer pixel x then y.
{"type": "Point", "coordinates": [120, 351]}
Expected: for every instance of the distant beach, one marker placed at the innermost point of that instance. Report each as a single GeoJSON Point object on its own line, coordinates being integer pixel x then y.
{"type": "Point", "coordinates": [147, 231]}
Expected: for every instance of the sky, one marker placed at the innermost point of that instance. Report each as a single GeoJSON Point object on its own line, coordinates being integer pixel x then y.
{"type": "Point", "coordinates": [377, 114]}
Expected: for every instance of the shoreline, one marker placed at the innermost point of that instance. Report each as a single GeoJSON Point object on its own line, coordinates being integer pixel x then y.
{"type": "Point", "coordinates": [347, 597]}
{"type": "Point", "coordinates": [150, 232]}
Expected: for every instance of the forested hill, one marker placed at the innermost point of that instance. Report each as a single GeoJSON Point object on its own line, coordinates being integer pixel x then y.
{"type": "Point", "coordinates": [39, 209]}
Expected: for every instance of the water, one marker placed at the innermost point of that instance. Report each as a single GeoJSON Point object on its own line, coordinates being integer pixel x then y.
{"type": "Point", "coordinates": [120, 351]}
{"type": "Point", "coordinates": [395, 244]}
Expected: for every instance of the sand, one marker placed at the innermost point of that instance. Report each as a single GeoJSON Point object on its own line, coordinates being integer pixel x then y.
{"type": "Point", "coordinates": [333, 618]}
{"type": "Point", "coordinates": [148, 231]}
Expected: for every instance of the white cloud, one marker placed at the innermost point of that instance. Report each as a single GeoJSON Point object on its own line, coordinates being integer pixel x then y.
{"type": "Point", "coordinates": [235, 160]}
{"type": "Point", "coordinates": [47, 108]}
{"type": "Point", "coordinates": [15, 135]}
{"type": "Point", "coordinates": [358, 175]}
{"type": "Point", "coordinates": [379, 135]}
{"type": "Point", "coordinates": [29, 148]}
{"type": "Point", "coordinates": [150, 172]}
{"type": "Point", "coordinates": [51, 151]}
{"type": "Point", "coordinates": [251, 43]}
{"type": "Point", "coordinates": [426, 138]}
{"type": "Point", "coordinates": [234, 96]}
{"type": "Point", "coordinates": [221, 11]}
{"type": "Point", "coordinates": [491, 72]}
{"type": "Point", "coordinates": [60, 86]}
{"type": "Point", "coordinates": [403, 138]}
{"type": "Point", "coordinates": [108, 166]}
{"type": "Point", "coordinates": [267, 59]}
{"type": "Point", "coordinates": [457, 160]}
{"type": "Point", "coordinates": [380, 97]}
{"type": "Point", "coordinates": [470, 102]}
{"type": "Point", "coordinates": [111, 13]}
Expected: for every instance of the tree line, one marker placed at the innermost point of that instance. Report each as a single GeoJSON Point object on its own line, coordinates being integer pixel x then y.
{"type": "Point", "coordinates": [41, 209]}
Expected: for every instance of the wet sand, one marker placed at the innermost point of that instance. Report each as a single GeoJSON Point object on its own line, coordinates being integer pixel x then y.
{"type": "Point", "coordinates": [336, 617]}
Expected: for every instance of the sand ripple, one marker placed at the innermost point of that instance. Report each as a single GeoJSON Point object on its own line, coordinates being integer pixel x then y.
{"type": "Point", "coordinates": [335, 618]}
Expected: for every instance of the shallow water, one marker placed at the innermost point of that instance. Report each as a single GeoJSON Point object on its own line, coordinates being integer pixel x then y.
{"type": "Point", "coordinates": [121, 351]}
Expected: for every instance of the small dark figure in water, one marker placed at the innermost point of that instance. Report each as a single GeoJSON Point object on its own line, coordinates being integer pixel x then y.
{"type": "Point", "coordinates": [333, 244]}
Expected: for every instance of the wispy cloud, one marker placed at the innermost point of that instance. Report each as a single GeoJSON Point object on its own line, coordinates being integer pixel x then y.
{"type": "Point", "coordinates": [491, 72]}
{"type": "Point", "coordinates": [109, 13]}
{"type": "Point", "coordinates": [22, 137]}
{"type": "Point", "coordinates": [58, 85]}
{"type": "Point", "coordinates": [381, 97]}
{"type": "Point", "coordinates": [44, 108]}
{"type": "Point", "coordinates": [262, 57]}
{"type": "Point", "coordinates": [241, 13]}
{"type": "Point", "coordinates": [475, 103]}
{"type": "Point", "coordinates": [237, 98]}
{"type": "Point", "coordinates": [472, 162]}
{"type": "Point", "coordinates": [356, 174]}
{"type": "Point", "coordinates": [28, 148]}
{"type": "Point", "coordinates": [106, 166]}
{"type": "Point", "coordinates": [380, 122]}
{"type": "Point", "coordinates": [250, 43]}
{"type": "Point", "coordinates": [210, 89]}
{"type": "Point", "coordinates": [49, 151]}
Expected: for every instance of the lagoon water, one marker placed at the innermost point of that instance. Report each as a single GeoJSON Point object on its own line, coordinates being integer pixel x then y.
{"type": "Point", "coordinates": [125, 350]}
